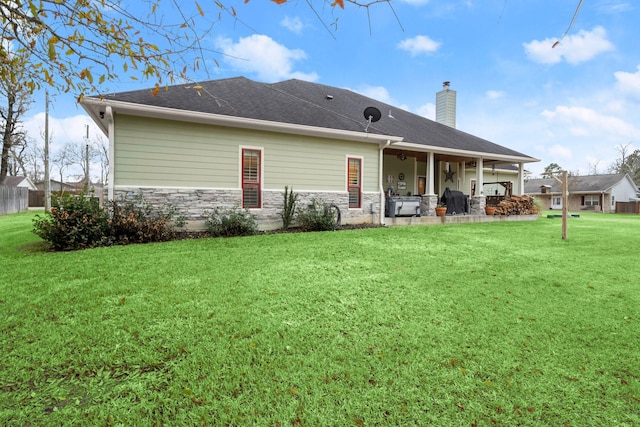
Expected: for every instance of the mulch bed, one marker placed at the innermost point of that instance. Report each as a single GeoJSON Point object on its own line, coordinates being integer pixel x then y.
{"type": "Point", "coordinates": [184, 235]}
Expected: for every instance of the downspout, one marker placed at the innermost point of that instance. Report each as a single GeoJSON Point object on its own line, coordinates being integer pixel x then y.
{"type": "Point", "coordinates": [380, 176]}
{"type": "Point", "coordinates": [112, 151]}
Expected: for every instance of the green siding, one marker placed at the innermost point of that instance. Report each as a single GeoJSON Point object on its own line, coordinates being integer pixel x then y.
{"type": "Point", "coordinates": [161, 153]}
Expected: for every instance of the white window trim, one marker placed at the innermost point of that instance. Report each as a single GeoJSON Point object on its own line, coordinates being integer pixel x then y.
{"type": "Point", "coordinates": [241, 148]}
{"type": "Point", "coordinates": [346, 181]}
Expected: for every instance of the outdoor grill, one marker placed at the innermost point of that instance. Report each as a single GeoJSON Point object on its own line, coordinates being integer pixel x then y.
{"type": "Point", "coordinates": [456, 201]}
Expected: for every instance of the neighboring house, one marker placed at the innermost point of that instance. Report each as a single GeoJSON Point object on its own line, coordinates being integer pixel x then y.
{"type": "Point", "coordinates": [56, 186]}
{"type": "Point", "coordinates": [19, 181]}
{"type": "Point", "coordinates": [236, 142]}
{"type": "Point", "coordinates": [589, 192]}
{"type": "Point", "coordinates": [37, 198]}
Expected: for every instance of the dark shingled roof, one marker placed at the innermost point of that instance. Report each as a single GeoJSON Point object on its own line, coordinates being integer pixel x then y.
{"type": "Point", "coordinates": [577, 184]}
{"type": "Point", "coordinates": [12, 181]}
{"type": "Point", "coordinates": [312, 104]}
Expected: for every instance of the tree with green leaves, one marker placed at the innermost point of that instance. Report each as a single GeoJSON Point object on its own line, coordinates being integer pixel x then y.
{"type": "Point", "coordinates": [551, 170]}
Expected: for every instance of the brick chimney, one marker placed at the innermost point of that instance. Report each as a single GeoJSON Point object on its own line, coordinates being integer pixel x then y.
{"type": "Point", "coordinates": [446, 106]}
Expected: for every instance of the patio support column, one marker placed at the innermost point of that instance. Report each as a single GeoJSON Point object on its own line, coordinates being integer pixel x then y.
{"type": "Point", "coordinates": [430, 175]}
{"type": "Point", "coordinates": [521, 179]}
{"type": "Point", "coordinates": [380, 182]}
{"type": "Point", "coordinates": [479, 200]}
{"type": "Point", "coordinates": [479, 176]}
{"type": "Point", "coordinates": [429, 199]}
{"type": "Point", "coordinates": [461, 175]}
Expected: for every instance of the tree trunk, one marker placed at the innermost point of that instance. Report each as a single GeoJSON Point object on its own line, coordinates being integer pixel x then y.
{"type": "Point", "coordinates": [7, 135]}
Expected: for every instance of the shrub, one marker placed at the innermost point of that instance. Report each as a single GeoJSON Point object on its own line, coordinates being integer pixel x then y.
{"type": "Point", "coordinates": [134, 220]}
{"type": "Point", "coordinates": [231, 222]}
{"type": "Point", "coordinates": [74, 222]}
{"type": "Point", "coordinates": [79, 222]}
{"type": "Point", "coordinates": [318, 216]}
{"type": "Point", "coordinates": [289, 207]}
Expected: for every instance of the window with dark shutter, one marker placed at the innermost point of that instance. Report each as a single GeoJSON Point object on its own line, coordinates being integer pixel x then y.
{"type": "Point", "coordinates": [354, 182]}
{"type": "Point", "coordinates": [251, 162]}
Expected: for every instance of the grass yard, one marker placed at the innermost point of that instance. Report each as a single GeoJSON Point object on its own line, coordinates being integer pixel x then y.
{"type": "Point", "coordinates": [465, 325]}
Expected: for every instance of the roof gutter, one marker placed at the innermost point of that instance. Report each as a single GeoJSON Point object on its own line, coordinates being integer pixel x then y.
{"type": "Point", "coordinates": [95, 106]}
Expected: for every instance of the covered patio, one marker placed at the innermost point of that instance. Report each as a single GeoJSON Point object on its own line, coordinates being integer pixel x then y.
{"type": "Point", "coordinates": [415, 176]}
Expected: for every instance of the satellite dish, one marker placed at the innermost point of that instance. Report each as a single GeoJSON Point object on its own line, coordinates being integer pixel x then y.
{"type": "Point", "coordinates": [372, 114]}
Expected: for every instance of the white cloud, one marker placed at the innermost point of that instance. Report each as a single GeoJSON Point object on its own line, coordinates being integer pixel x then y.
{"type": "Point", "coordinates": [292, 24]}
{"type": "Point", "coordinates": [415, 2]}
{"type": "Point", "coordinates": [559, 151]}
{"type": "Point", "coordinates": [62, 131]}
{"type": "Point", "coordinates": [427, 110]}
{"type": "Point", "coordinates": [629, 83]}
{"type": "Point", "coordinates": [574, 49]}
{"type": "Point", "coordinates": [419, 45]}
{"type": "Point", "coordinates": [614, 8]}
{"type": "Point", "coordinates": [379, 93]}
{"type": "Point", "coordinates": [495, 94]}
{"type": "Point", "coordinates": [69, 129]}
{"type": "Point", "coordinates": [582, 121]}
{"type": "Point", "coordinates": [261, 55]}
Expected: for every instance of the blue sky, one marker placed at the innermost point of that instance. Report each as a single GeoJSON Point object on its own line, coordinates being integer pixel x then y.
{"type": "Point", "coordinates": [571, 105]}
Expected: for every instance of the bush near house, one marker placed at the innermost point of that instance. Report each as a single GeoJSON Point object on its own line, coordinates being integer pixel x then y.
{"type": "Point", "coordinates": [231, 222]}
{"type": "Point", "coordinates": [74, 222]}
{"type": "Point", "coordinates": [79, 222]}
{"type": "Point", "coordinates": [317, 216]}
{"type": "Point", "coordinates": [136, 221]}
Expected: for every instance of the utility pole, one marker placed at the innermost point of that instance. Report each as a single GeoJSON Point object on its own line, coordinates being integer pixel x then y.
{"type": "Point", "coordinates": [86, 159]}
{"type": "Point", "coordinates": [47, 181]}
{"type": "Point", "coordinates": [565, 201]}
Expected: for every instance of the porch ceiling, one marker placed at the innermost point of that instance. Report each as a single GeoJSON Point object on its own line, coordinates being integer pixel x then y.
{"type": "Point", "coordinates": [468, 160]}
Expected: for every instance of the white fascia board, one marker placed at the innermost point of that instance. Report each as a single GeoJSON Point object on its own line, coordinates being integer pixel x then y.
{"type": "Point", "coordinates": [465, 153]}
{"type": "Point", "coordinates": [591, 192]}
{"type": "Point", "coordinates": [142, 110]}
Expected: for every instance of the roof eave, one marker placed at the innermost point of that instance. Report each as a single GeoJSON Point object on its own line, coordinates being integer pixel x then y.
{"type": "Point", "coordinates": [94, 106]}
{"type": "Point", "coordinates": [465, 153]}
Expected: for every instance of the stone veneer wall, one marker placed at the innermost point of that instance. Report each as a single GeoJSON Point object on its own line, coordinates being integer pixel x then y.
{"type": "Point", "coordinates": [477, 205]}
{"type": "Point", "coordinates": [193, 203]}
{"type": "Point", "coordinates": [428, 205]}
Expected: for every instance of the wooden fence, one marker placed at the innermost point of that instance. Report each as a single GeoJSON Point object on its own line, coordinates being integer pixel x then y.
{"type": "Point", "coordinates": [36, 199]}
{"type": "Point", "coordinates": [628, 207]}
{"type": "Point", "coordinates": [13, 199]}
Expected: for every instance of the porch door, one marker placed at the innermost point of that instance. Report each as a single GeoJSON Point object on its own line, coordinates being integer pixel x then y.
{"type": "Point", "coordinates": [556, 202]}
{"type": "Point", "coordinates": [422, 185]}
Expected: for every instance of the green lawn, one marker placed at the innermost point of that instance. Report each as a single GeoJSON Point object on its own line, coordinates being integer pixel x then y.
{"type": "Point", "coordinates": [480, 324]}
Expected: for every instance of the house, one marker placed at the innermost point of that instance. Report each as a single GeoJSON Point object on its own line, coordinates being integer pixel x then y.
{"type": "Point", "coordinates": [18, 181]}
{"type": "Point", "coordinates": [237, 142]}
{"type": "Point", "coordinates": [57, 186]}
{"type": "Point", "coordinates": [589, 192]}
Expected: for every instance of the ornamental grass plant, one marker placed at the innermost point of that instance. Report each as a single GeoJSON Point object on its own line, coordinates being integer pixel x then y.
{"type": "Point", "coordinates": [477, 324]}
